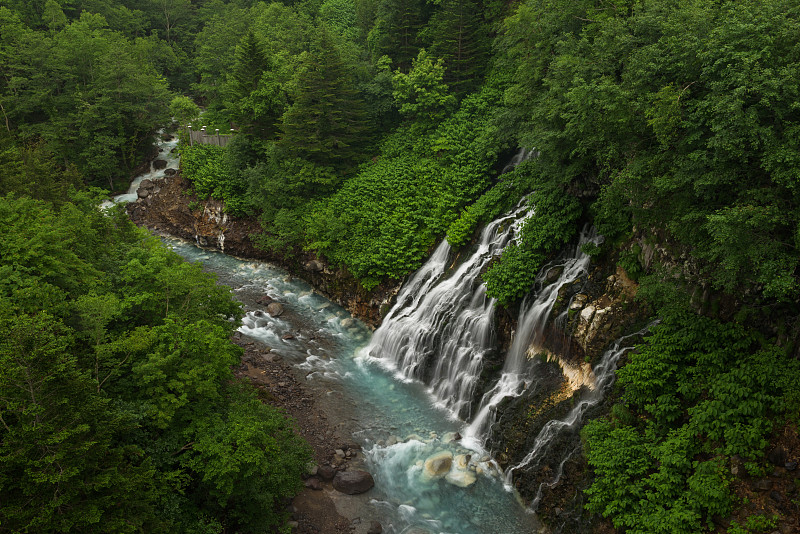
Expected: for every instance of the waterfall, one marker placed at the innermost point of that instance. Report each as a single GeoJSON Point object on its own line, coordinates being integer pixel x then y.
{"type": "Point", "coordinates": [604, 373]}
{"type": "Point", "coordinates": [516, 376]}
{"type": "Point", "coordinates": [522, 155]}
{"type": "Point", "coordinates": [441, 326]}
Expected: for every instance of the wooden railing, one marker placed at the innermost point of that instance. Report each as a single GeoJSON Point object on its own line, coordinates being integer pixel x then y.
{"type": "Point", "coordinates": [205, 137]}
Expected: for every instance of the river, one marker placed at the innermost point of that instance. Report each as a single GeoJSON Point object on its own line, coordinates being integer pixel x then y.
{"type": "Point", "coordinates": [396, 421]}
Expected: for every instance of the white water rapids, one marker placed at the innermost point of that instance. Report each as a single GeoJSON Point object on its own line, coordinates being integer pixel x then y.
{"type": "Point", "coordinates": [166, 152]}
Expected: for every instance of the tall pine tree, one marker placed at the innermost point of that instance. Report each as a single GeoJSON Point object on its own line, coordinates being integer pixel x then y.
{"type": "Point", "coordinates": [256, 99]}
{"type": "Point", "coordinates": [396, 31]}
{"type": "Point", "coordinates": [327, 123]}
{"type": "Point", "coordinates": [459, 34]}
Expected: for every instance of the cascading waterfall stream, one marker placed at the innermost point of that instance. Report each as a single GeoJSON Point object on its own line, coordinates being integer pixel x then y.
{"type": "Point", "coordinates": [517, 373]}
{"type": "Point", "coordinates": [522, 155]}
{"type": "Point", "coordinates": [441, 326]}
{"type": "Point", "coordinates": [166, 153]}
{"type": "Point", "coordinates": [433, 342]}
{"type": "Point", "coordinates": [393, 420]}
{"type": "Point", "coordinates": [604, 373]}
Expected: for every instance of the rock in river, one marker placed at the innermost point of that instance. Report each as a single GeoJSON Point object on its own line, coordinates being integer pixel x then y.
{"type": "Point", "coordinates": [437, 466]}
{"type": "Point", "coordinates": [274, 309]}
{"type": "Point", "coordinates": [353, 482]}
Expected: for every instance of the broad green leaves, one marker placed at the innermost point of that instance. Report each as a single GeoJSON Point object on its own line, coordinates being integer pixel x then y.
{"type": "Point", "coordinates": [422, 94]}
{"type": "Point", "coordinates": [702, 391]}
{"type": "Point", "coordinates": [552, 224]}
{"type": "Point", "coordinates": [383, 220]}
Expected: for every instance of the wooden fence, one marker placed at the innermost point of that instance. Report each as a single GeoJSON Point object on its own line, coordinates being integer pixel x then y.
{"type": "Point", "coordinates": [208, 137]}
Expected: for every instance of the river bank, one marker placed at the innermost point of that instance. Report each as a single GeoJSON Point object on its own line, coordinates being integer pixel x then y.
{"type": "Point", "coordinates": [169, 207]}
{"type": "Point", "coordinates": [337, 393]}
{"type": "Point", "coordinates": [318, 508]}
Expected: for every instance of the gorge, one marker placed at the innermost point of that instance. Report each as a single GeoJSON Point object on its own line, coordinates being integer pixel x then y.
{"type": "Point", "coordinates": [425, 389]}
{"type": "Point", "coordinates": [599, 334]}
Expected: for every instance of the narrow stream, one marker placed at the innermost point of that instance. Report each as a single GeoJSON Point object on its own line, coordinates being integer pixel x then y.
{"type": "Point", "coordinates": [167, 153]}
{"type": "Point", "coordinates": [399, 426]}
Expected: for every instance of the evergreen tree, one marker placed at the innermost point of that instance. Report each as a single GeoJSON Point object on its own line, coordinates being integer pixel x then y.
{"type": "Point", "coordinates": [327, 124]}
{"type": "Point", "coordinates": [396, 31]}
{"type": "Point", "coordinates": [255, 96]}
{"type": "Point", "coordinates": [459, 35]}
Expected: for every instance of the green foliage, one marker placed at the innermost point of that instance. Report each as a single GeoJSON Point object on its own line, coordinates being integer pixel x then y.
{"type": "Point", "coordinates": [629, 260]}
{"type": "Point", "coordinates": [459, 34]}
{"type": "Point", "coordinates": [395, 31]}
{"type": "Point", "coordinates": [755, 524]}
{"type": "Point", "coordinates": [255, 97]}
{"type": "Point", "coordinates": [249, 459]}
{"type": "Point", "coordinates": [214, 49]}
{"type": "Point", "coordinates": [85, 90]}
{"type": "Point", "coordinates": [422, 94]}
{"type": "Point", "coordinates": [116, 386]}
{"type": "Point", "coordinates": [674, 118]}
{"type": "Point", "coordinates": [383, 220]}
{"type": "Point", "coordinates": [701, 391]}
{"type": "Point", "coordinates": [213, 173]}
{"type": "Point", "coordinates": [183, 110]}
{"type": "Point", "coordinates": [31, 169]}
{"type": "Point", "coordinates": [62, 468]}
{"type": "Point", "coordinates": [551, 225]}
{"type": "Point", "coordinates": [327, 123]}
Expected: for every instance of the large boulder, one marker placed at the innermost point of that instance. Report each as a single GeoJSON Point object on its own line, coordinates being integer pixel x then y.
{"type": "Point", "coordinates": [353, 482]}
{"type": "Point", "coordinates": [326, 472]}
{"type": "Point", "coordinates": [274, 309]}
{"type": "Point", "coordinates": [461, 478]}
{"type": "Point", "coordinates": [170, 172]}
{"type": "Point", "coordinates": [437, 466]}
{"type": "Point", "coordinates": [159, 164]}
{"type": "Point", "coordinates": [314, 266]}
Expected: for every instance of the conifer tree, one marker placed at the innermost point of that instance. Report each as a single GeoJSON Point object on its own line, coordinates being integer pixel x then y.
{"type": "Point", "coordinates": [459, 35]}
{"type": "Point", "coordinates": [327, 123]}
{"type": "Point", "coordinates": [255, 96]}
{"type": "Point", "coordinates": [396, 31]}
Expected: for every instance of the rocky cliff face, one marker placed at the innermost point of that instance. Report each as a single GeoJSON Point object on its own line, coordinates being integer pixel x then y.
{"type": "Point", "coordinates": [588, 316]}
{"type": "Point", "coordinates": [167, 207]}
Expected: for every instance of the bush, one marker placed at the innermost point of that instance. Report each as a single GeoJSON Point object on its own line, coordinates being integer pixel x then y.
{"type": "Point", "coordinates": [213, 174]}
{"type": "Point", "coordinates": [700, 391]}
{"type": "Point", "coordinates": [382, 221]}
{"type": "Point", "coordinates": [552, 225]}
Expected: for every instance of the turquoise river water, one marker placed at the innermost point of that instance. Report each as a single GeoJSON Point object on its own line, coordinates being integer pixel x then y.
{"type": "Point", "coordinates": [396, 420]}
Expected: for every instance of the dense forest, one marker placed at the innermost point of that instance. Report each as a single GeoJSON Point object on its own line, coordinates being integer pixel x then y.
{"type": "Point", "coordinates": [366, 131]}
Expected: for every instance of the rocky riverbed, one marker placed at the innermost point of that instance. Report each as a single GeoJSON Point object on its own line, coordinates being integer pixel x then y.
{"type": "Point", "coordinates": [320, 508]}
